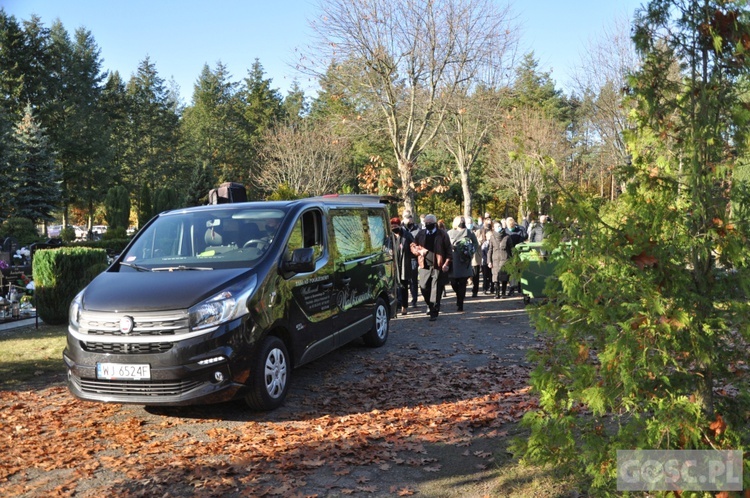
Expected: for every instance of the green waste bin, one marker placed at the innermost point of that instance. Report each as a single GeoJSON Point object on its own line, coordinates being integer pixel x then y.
{"type": "Point", "coordinates": [536, 269]}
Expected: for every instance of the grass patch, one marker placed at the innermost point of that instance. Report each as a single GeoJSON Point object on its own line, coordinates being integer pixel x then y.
{"type": "Point", "coordinates": [30, 357]}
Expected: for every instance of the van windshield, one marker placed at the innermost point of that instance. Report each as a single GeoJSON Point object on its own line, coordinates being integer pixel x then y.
{"type": "Point", "coordinates": [201, 239]}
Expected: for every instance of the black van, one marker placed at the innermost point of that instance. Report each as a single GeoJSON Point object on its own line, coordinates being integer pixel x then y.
{"type": "Point", "coordinates": [219, 302]}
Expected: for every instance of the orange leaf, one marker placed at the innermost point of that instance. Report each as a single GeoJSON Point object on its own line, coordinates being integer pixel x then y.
{"type": "Point", "coordinates": [644, 260]}
{"type": "Point", "coordinates": [718, 425]}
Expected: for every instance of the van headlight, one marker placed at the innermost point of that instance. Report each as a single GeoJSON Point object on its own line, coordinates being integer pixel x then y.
{"type": "Point", "coordinates": [74, 311]}
{"type": "Point", "coordinates": [223, 307]}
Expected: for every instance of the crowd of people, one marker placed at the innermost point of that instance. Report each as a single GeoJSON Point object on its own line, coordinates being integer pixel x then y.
{"type": "Point", "coordinates": [430, 256]}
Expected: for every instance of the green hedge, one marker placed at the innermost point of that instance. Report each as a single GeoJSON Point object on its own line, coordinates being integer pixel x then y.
{"type": "Point", "coordinates": [114, 245]}
{"type": "Point", "coordinates": [59, 274]}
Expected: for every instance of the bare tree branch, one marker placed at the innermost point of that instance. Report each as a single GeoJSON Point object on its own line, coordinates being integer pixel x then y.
{"type": "Point", "coordinates": [308, 158]}
{"type": "Point", "coordinates": [412, 55]}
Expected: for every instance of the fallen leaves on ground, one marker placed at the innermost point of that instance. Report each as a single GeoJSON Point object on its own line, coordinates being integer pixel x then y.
{"type": "Point", "coordinates": [54, 445]}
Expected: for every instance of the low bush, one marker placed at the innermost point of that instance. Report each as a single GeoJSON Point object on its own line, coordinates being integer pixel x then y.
{"type": "Point", "coordinates": [59, 274]}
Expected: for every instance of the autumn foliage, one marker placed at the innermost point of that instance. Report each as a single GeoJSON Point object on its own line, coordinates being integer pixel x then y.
{"type": "Point", "coordinates": [54, 445]}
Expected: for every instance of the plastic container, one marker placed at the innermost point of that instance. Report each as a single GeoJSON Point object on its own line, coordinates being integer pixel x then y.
{"type": "Point", "coordinates": [536, 270]}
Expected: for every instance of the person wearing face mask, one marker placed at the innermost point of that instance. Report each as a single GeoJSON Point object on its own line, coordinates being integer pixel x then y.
{"type": "Point", "coordinates": [412, 228]}
{"type": "Point", "coordinates": [404, 259]}
{"type": "Point", "coordinates": [432, 247]}
{"type": "Point", "coordinates": [499, 252]}
{"type": "Point", "coordinates": [464, 248]}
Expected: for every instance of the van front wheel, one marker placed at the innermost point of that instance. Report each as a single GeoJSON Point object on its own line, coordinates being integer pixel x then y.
{"type": "Point", "coordinates": [378, 334]}
{"type": "Point", "coordinates": [270, 376]}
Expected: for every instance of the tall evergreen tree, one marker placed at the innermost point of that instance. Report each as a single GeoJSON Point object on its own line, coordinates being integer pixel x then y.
{"type": "Point", "coordinates": [75, 123]}
{"type": "Point", "coordinates": [151, 136]}
{"type": "Point", "coordinates": [535, 89]}
{"type": "Point", "coordinates": [12, 39]}
{"type": "Point", "coordinates": [25, 71]}
{"type": "Point", "coordinates": [6, 175]}
{"type": "Point", "coordinates": [117, 206]}
{"type": "Point", "coordinates": [210, 128]}
{"type": "Point", "coordinates": [202, 180]}
{"type": "Point", "coordinates": [261, 107]}
{"type": "Point", "coordinates": [91, 172]}
{"type": "Point", "coordinates": [35, 190]}
{"type": "Point", "coordinates": [165, 198]}
{"type": "Point", "coordinates": [145, 207]}
{"type": "Point", "coordinates": [114, 106]}
{"type": "Point", "coordinates": [295, 104]}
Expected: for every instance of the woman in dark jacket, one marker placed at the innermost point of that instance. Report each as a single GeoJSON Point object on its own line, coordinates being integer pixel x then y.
{"type": "Point", "coordinates": [404, 258]}
{"type": "Point", "coordinates": [498, 253]}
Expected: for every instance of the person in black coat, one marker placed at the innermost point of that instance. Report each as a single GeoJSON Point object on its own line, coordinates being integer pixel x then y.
{"type": "Point", "coordinates": [404, 259]}
{"type": "Point", "coordinates": [413, 228]}
{"type": "Point", "coordinates": [499, 252]}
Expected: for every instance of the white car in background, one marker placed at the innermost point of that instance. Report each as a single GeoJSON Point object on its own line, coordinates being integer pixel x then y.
{"type": "Point", "coordinates": [53, 231]}
{"type": "Point", "coordinates": [99, 229]}
{"type": "Point", "coordinates": [81, 232]}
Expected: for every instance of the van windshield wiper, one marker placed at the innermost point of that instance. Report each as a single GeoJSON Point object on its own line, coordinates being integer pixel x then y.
{"type": "Point", "coordinates": [135, 267]}
{"type": "Point", "coordinates": [182, 268]}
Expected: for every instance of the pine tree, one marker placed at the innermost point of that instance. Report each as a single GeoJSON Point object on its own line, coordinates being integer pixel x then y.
{"type": "Point", "coordinates": [6, 176]}
{"type": "Point", "coordinates": [151, 136]}
{"type": "Point", "coordinates": [35, 192]}
{"type": "Point", "coordinates": [295, 104]}
{"type": "Point", "coordinates": [210, 129]}
{"type": "Point", "coordinates": [651, 321]}
{"type": "Point", "coordinates": [261, 107]}
{"type": "Point", "coordinates": [117, 206]}
{"type": "Point", "coordinates": [145, 208]}
{"type": "Point", "coordinates": [202, 181]}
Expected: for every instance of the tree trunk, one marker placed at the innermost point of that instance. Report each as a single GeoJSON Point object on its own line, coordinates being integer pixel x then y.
{"type": "Point", "coordinates": [405, 173]}
{"type": "Point", "coordinates": [467, 192]}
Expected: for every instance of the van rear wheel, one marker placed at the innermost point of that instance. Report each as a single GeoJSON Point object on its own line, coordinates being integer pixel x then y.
{"type": "Point", "coordinates": [269, 381]}
{"type": "Point", "coordinates": [378, 334]}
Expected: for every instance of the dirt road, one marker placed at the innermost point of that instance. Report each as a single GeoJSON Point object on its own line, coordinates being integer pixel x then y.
{"type": "Point", "coordinates": [428, 414]}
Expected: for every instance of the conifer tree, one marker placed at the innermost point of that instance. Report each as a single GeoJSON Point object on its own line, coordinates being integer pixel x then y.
{"type": "Point", "coordinates": [34, 191]}
{"type": "Point", "coordinates": [117, 205]}
{"type": "Point", "coordinates": [202, 181]}
{"type": "Point", "coordinates": [651, 320]}
{"type": "Point", "coordinates": [6, 177]}
{"type": "Point", "coordinates": [261, 108]}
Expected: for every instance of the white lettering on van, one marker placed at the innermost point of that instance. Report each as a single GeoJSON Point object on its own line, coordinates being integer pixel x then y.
{"type": "Point", "coordinates": [312, 280]}
{"type": "Point", "coordinates": [306, 291]}
{"type": "Point", "coordinates": [349, 298]}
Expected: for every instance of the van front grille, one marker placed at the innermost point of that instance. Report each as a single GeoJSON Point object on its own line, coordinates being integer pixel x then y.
{"type": "Point", "coordinates": [126, 348]}
{"type": "Point", "coordinates": [137, 388]}
{"type": "Point", "coordinates": [106, 324]}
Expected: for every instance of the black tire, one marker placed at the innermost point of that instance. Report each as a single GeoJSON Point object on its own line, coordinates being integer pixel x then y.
{"type": "Point", "coordinates": [378, 334]}
{"type": "Point", "coordinates": [270, 376]}
{"type": "Point", "coordinates": [526, 299]}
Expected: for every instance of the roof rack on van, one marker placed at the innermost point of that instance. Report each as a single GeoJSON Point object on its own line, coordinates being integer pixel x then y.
{"type": "Point", "coordinates": [382, 199]}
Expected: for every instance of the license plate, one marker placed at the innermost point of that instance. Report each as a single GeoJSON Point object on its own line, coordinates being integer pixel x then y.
{"type": "Point", "coordinates": [123, 371]}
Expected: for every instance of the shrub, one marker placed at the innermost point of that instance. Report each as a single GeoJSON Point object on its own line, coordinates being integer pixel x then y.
{"type": "Point", "coordinates": [59, 274]}
{"type": "Point", "coordinates": [112, 246]}
{"type": "Point", "coordinates": [22, 229]}
{"type": "Point", "coordinates": [115, 233]}
{"type": "Point", "coordinates": [68, 234]}
{"type": "Point", "coordinates": [118, 207]}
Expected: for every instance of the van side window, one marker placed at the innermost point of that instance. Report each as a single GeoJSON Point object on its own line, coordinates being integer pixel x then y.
{"type": "Point", "coordinates": [307, 232]}
{"type": "Point", "coordinates": [349, 234]}
{"type": "Point", "coordinates": [378, 233]}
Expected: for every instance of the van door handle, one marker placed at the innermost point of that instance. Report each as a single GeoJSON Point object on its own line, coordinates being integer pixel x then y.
{"type": "Point", "coordinates": [346, 281]}
{"type": "Point", "coordinates": [327, 286]}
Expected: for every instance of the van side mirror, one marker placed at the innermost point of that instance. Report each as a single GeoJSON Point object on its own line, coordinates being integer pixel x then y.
{"type": "Point", "coordinates": [302, 261]}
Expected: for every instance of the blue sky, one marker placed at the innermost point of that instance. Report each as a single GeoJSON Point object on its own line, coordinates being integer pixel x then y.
{"type": "Point", "coordinates": [180, 36]}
